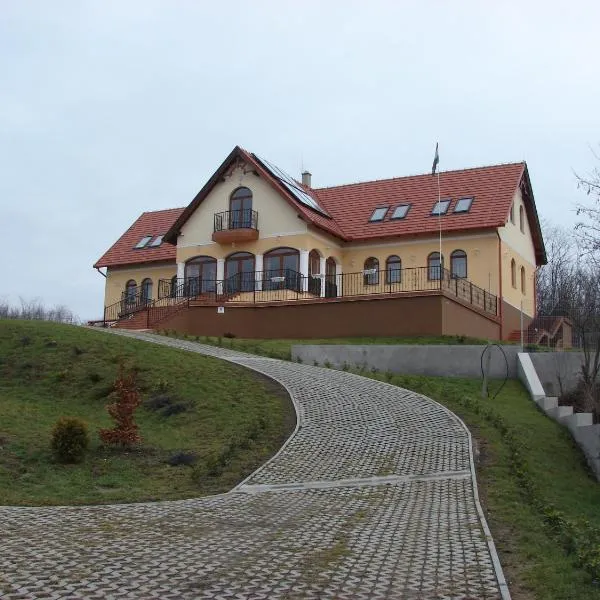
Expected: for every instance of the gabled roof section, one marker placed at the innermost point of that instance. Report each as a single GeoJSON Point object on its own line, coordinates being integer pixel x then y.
{"type": "Point", "coordinates": [492, 189]}
{"type": "Point", "coordinates": [315, 217]}
{"type": "Point", "coordinates": [123, 251]}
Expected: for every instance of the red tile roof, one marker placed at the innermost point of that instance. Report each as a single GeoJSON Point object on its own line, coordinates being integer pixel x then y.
{"type": "Point", "coordinates": [350, 207]}
{"type": "Point", "coordinates": [123, 252]}
{"type": "Point", "coordinates": [492, 189]}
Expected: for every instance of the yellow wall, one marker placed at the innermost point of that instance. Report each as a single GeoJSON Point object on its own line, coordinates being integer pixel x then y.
{"type": "Point", "coordinates": [514, 295]}
{"type": "Point", "coordinates": [519, 246]}
{"type": "Point", "coordinates": [117, 278]}
{"type": "Point", "coordinates": [482, 256]}
{"type": "Point", "coordinates": [275, 215]}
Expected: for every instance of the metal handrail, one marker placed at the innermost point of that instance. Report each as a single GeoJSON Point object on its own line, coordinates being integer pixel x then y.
{"type": "Point", "coordinates": [236, 219]}
{"type": "Point", "coordinates": [264, 286]}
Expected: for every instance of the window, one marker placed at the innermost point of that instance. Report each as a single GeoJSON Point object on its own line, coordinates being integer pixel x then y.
{"type": "Point", "coordinates": [240, 205]}
{"type": "Point", "coordinates": [434, 266]}
{"type": "Point", "coordinates": [523, 280]}
{"type": "Point", "coordinates": [393, 269]}
{"type": "Point", "coordinates": [157, 241]}
{"type": "Point", "coordinates": [512, 213]}
{"type": "Point", "coordinates": [371, 271]}
{"type": "Point", "coordinates": [463, 205]}
{"type": "Point", "coordinates": [142, 243]}
{"type": "Point", "coordinates": [440, 208]}
{"type": "Point", "coordinates": [513, 273]}
{"type": "Point", "coordinates": [200, 275]}
{"type": "Point", "coordinates": [239, 272]}
{"type": "Point", "coordinates": [379, 213]}
{"type": "Point", "coordinates": [282, 270]}
{"type": "Point", "coordinates": [174, 286]}
{"type": "Point", "coordinates": [400, 211]}
{"type": "Point", "coordinates": [146, 291]}
{"type": "Point", "coordinates": [458, 264]}
{"type": "Point", "coordinates": [522, 219]}
{"type": "Point", "coordinates": [130, 291]}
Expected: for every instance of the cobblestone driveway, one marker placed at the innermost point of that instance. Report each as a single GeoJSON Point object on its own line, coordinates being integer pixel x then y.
{"type": "Point", "coordinates": [372, 497]}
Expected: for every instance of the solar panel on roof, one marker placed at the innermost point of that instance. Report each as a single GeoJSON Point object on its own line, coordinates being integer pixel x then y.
{"type": "Point", "coordinates": [292, 185]}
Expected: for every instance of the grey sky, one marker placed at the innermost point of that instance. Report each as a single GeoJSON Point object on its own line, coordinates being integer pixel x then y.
{"type": "Point", "coordinates": [108, 109]}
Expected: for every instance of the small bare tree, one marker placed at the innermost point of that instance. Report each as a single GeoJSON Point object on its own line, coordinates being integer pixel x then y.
{"type": "Point", "coordinates": [589, 227]}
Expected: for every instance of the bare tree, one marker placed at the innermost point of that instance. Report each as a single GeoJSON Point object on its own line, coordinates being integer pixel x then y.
{"type": "Point", "coordinates": [589, 227]}
{"type": "Point", "coordinates": [35, 310]}
{"type": "Point", "coordinates": [554, 280]}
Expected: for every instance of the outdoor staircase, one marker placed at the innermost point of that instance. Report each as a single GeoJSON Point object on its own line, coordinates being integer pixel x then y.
{"type": "Point", "coordinates": [543, 330]}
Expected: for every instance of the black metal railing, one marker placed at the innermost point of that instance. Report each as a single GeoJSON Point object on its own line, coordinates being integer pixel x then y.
{"type": "Point", "coordinates": [236, 219]}
{"type": "Point", "coordinates": [288, 284]}
{"type": "Point", "coordinates": [130, 303]}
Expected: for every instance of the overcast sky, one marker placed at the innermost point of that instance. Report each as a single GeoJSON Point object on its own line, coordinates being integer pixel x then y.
{"type": "Point", "coordinates": [109, 109]}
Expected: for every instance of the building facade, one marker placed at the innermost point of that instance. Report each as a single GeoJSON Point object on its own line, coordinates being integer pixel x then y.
{"type": "Point", "coordinates": [254, 238]}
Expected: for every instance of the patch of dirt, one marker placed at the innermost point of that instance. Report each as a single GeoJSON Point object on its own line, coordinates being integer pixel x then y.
{"type": "Point", "coordinates": [576, 399]}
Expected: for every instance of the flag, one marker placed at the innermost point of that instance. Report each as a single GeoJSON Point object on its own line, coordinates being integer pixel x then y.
{"type": "Point", "coordinates": [436, 160]}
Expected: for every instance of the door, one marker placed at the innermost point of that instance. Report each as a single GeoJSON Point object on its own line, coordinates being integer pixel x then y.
{"type": "Point", "coordinates": [239, 273]}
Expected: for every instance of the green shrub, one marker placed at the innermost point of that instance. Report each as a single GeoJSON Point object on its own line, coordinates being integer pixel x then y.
{"type": "Point", "coordinates": [70, 439]}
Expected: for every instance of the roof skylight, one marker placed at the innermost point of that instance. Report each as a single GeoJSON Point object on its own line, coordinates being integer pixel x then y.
{"type": "Point", "coordinates": [157, 241]}
{"type": "Point", "coordinates": [463, 205]}
{"type": "Point", "coordinates": [142, 243]}
{"type": "Point", "coordinates": [440, 208]}
{"type": "Point", "coordinates": [379, 213]}
{"type": "Point", "coordinates": [400, 211]}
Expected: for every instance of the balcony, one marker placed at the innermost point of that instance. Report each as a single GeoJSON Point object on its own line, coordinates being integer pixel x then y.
{"type": "Point", "coordinates": [235, 226]}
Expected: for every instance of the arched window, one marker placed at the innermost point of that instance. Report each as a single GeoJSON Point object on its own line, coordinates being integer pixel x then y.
{"type": "Point", "coordinates": [239, 272]}
{"type": "Point", "coordinates": [523, 280]}
{"type": "Point", "coordinates": [512, 213]}
{"type": "Point", "coordinates": [240, 206]}
{"type": "Point", "coordinates": [513, 273]}
{"type": "Point", "coordinates": [522, 219]}
{"type": "Point", "coordinates": [174, 285]}
{"type": "Point", "coordinates": [458, 264]}
{"type": "Point", "coordinates": [371, 271]}
{"type": "Point", "coordinates": [200, 275]}
{"type": "Point", "coordinates": [130, 291]}
{"type": "Point", "coordinates": [434, 266]}
{"type": "Point", "coordinates": [393, 269]}
{"type": "Point", "coordinates": [282, 269]}
{"type": "Point", "coordinates": [314, 268]}
{"type": "Point", "coordinates": [146, 291]}
{"type": "Point", "coordinates": [282, 259]}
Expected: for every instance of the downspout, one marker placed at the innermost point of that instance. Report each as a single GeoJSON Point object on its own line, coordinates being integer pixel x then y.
{"type": "Point", "coordinates": [99, 271]}
{"type": "Point", "coordinates": [500, 299]}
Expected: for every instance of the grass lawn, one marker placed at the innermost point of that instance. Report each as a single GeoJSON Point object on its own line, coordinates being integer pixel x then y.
{"type": "Point", "coordinates": [518, 491]}
{"type": "Point", "coordinates": [283, 348]}
{"type": "Point", "coordinates": [232, 420]}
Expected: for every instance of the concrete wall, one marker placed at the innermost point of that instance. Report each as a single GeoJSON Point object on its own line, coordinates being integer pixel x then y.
{"type": "Point", "coordinates": [415, 315]}
{"type": "Point", "coordinates": [443, 361]}
{"type": "Point", "coordinates": [558, 371]}
{"type": "Point", "coordinates": [581, 426]}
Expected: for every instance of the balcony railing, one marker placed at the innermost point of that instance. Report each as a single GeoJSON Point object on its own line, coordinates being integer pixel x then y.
{"type": "Point", "coordinates": [236, 219]}
{"type": "Point", "coordinates": [288, 284]}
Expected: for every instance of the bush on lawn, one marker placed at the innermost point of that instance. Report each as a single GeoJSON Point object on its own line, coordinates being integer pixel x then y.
{"type": "Point", "coordinates": [70, 439]}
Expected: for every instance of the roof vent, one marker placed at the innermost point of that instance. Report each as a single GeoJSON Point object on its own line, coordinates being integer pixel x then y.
{"type": "Point", "coordinates": [306, 178]}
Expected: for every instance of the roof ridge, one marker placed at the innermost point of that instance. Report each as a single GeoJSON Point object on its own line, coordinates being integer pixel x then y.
{"type": "Point", "coordinates": [151, 212]}
{"type": "Point", "coordinates": [341, 185]}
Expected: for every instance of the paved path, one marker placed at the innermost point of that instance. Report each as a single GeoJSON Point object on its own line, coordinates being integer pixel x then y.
{"type": "Point", "coordinates": [372, 497]}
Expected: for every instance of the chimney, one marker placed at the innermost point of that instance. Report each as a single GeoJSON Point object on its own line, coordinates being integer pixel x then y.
{"type": "Point", "coordinates": [306, 178]}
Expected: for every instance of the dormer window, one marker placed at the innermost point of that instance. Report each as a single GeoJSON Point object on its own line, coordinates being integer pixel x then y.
{"type": "Point", "coordinates": [157, 241]}
{"type": "Point", "coordinates": [379, 214]}
{"type": "Point", "coordinates": [143, 242]}
{"type": "Point", "coordinates": [440, 208]}
{"type": "Point", "coordinates": [400, 211]}
{"type": "Point", "coordinates": [463, 205]}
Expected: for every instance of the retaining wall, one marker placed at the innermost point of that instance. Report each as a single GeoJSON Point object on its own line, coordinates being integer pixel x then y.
{"type": "Point", "coordinates": [441, 361]}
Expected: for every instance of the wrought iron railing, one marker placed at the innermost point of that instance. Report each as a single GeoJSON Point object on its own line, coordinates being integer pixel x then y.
{"type": "Point", "coordinates": [236, 219]}
{"type": "Point", "coordinates": [288, 284]}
